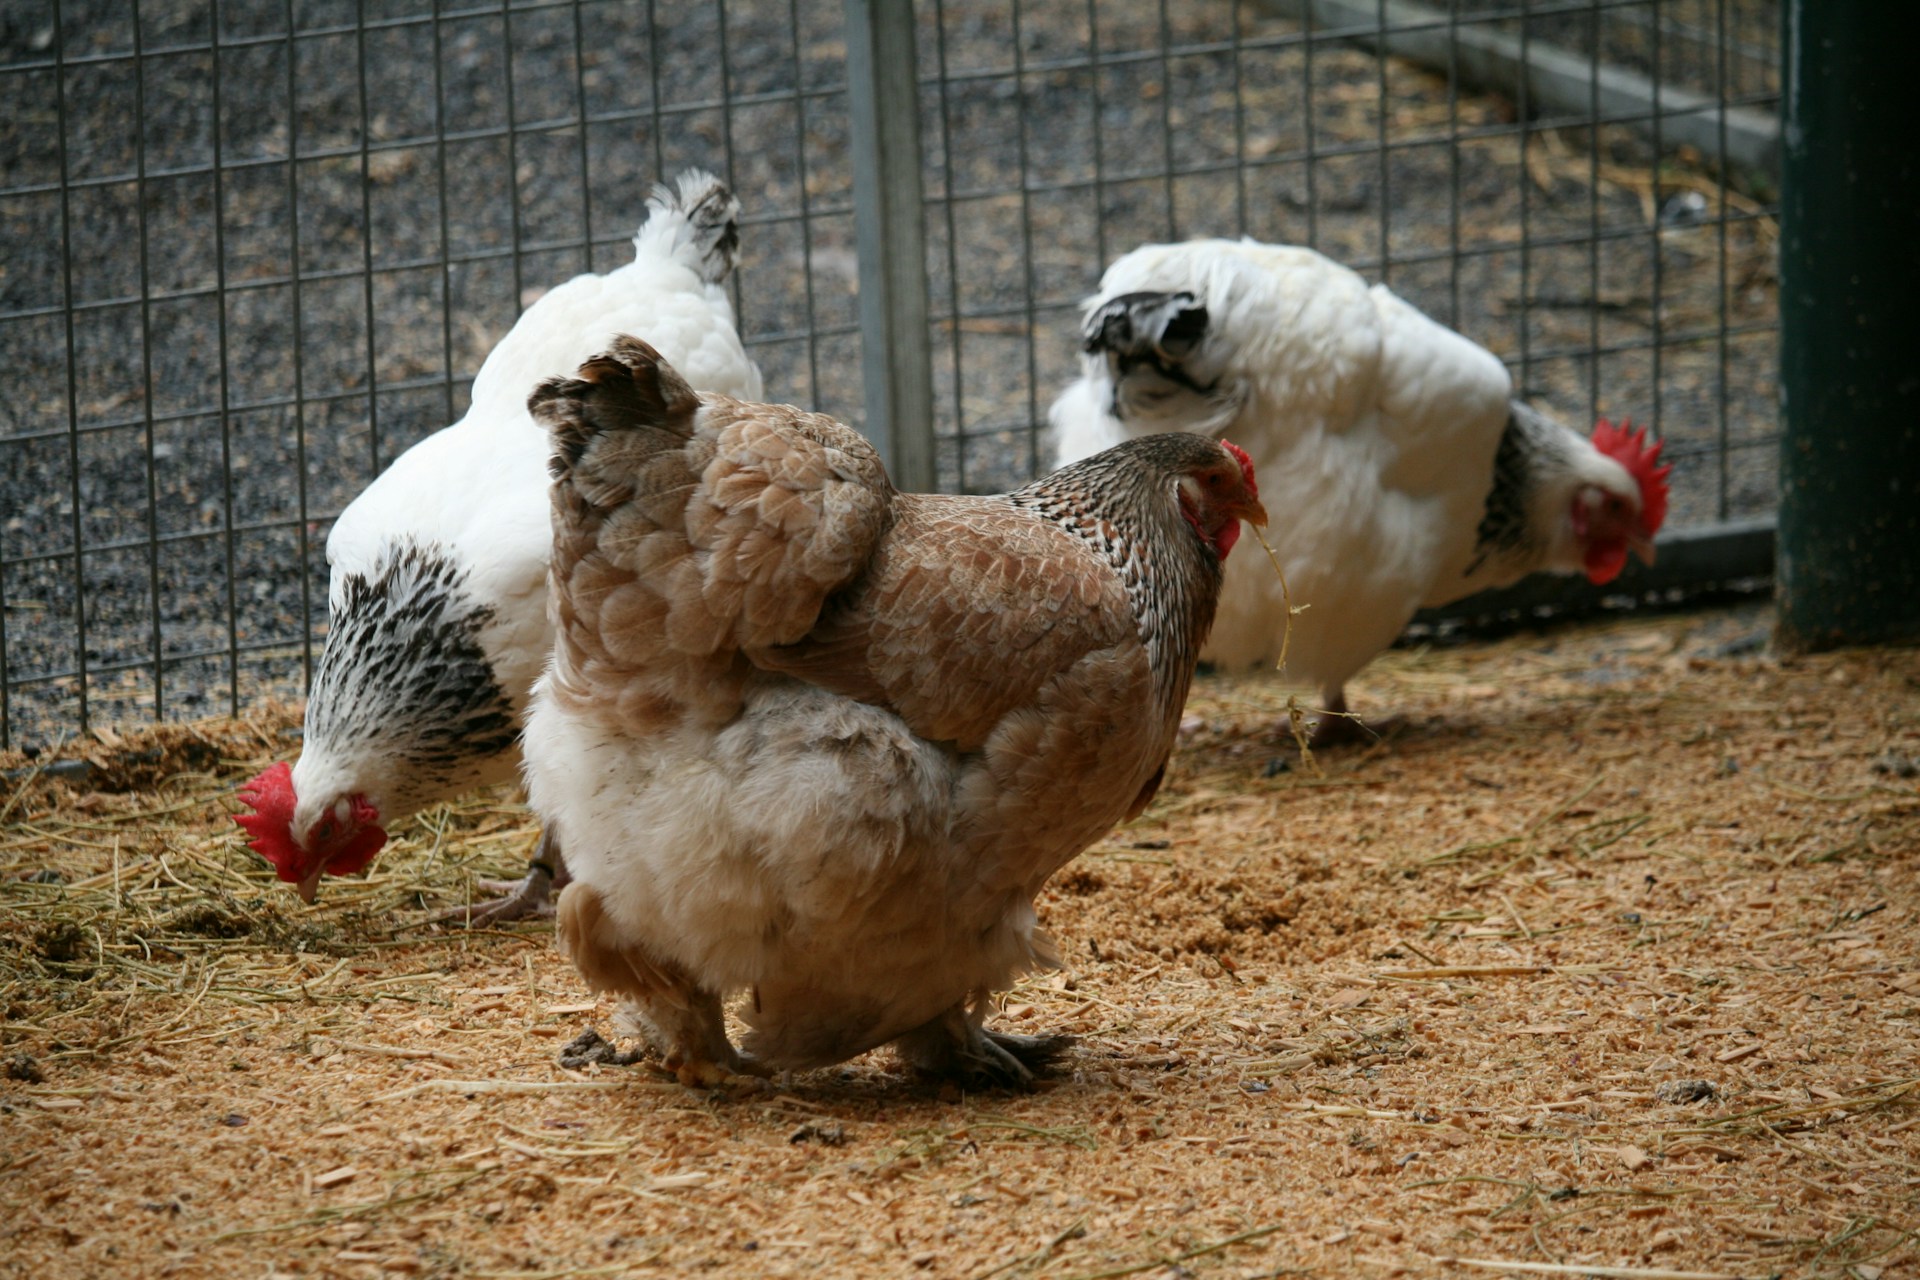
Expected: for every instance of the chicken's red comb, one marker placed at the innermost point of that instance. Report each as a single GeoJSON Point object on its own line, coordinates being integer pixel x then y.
{"type": "Point", "coordinates": [1631, 450]}
{"type": "Point", "coordinates": [1246, 465]}
{"type": "Point", "coordinates": [270, 796]}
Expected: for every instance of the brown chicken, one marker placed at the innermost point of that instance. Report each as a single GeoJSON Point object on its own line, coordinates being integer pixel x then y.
{"type": "Point", "coordinates": [820, 742]}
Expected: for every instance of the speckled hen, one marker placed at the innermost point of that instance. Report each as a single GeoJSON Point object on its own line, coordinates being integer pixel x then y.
{"type": "Point", "coordinates": [821, 742]}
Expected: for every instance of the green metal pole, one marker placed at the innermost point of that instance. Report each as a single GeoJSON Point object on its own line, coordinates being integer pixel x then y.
{"type": "Point", "coordinates": [889, 224]}
{"type": "Point", "coordinates": [1849, 551]}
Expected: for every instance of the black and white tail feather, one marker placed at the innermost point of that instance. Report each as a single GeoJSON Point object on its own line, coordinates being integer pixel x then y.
{"type": "Point", "coordinates": [697, 219]}
{"type": "Point", "coordinates": [1153, 348]}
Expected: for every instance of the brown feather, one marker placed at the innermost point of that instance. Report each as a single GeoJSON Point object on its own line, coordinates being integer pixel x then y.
{"type": "Point", "coordinates": [897, 714]}
{"type": "Point", "coordinates": [989, 582]}
{"type": "Point", "coordinates": [617, 968]}
{"type": "Point", "coordinates": [1148, 792]}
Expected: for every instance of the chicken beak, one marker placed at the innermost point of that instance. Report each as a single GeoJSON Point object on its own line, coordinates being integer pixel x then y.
{"type": "Point", "coordinates": [1255, 512]}
{"type": "Point", "coordinates": [1641, 546]}
{"type": "Point", "coordinates": [310, 887]}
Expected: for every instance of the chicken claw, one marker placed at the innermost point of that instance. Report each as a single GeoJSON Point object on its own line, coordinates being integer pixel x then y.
{"type": "Point", "coordinates": [530, 897]}
{"type": "Point", "coordinates": [1009, 1061]}
{"type": "Point", "coordinates": [590, 1048]}
{"type": "Point", "coordinates": [688, 1030]}
{"type": "Point", "coordinates": [1337, 726]}
{"type": "Point", "coordinates": [956, 1046]}
{"type": "Point", "coordinates": [703, 1073]}
{"type": "Point", "coordinates": [1339, 730]}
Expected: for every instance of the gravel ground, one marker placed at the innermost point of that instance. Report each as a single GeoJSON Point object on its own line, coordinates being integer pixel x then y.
{"type": "Point", "coordinates": [1094, 150]}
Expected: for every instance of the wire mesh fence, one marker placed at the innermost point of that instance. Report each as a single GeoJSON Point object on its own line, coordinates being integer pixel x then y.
{"type": "Point", "coordinates": [1718, 48]}
{"type": "Point", "coordinates": [257, 250]}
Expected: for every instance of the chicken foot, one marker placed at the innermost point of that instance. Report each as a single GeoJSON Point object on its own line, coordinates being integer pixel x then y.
{"type": "Point", "coordinates": [529, 897]}
{"type": "Point", "coordinates": [1336, 726]}
{"type": "Point", "coordinates": [690, 1034]}
{"type": "Point", "coordinates": [956, 1045]}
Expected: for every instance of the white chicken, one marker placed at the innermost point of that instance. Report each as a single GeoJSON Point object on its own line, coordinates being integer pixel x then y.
{"type": "Point", "coordinates": [821, 742]}
{"type": "Point", "coordinates": [1406, 472]}
{"type": "Point", "coordinates": [438, 594]}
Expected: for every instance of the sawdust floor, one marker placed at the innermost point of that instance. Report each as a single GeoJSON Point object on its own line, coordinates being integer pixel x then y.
{"type": "Point", "coordinates": [1605, 964]}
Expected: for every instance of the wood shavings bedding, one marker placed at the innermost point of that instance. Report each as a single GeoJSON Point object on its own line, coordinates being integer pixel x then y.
{"type": "Point", "coordinates": [1605, 963]}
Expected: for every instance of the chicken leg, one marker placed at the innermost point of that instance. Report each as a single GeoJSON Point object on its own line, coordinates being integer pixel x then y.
{"type": "Point", "coordinates": [1336, 726]}
{"type": "Point", "coordinates": [530, 896]}
{"type": "Point", "coordinates": [954, 1044]}
{"type": "Point", "coordinates": [689, 1030]}
{"type": "Point", "coordinates": [659, 1003]}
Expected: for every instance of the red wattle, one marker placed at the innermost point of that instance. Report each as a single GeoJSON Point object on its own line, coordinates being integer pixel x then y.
{"type": "Point", "coordinates": [357, 852]}
{"type": "Point", "coordinates": [1604, 562]}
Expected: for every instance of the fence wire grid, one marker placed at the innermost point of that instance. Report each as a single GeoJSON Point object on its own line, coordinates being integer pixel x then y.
{"type": "Point", "coordinates": [256, 249]}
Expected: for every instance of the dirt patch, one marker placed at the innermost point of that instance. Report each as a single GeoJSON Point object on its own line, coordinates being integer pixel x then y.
{"type": "Point", "coordinates": [1606, 959]}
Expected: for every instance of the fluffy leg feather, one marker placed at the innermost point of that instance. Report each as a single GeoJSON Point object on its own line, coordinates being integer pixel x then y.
{"type": "Point", "coordinates": [691, 1038]}
{"type": "Point", "coordinates": [679, 1018]}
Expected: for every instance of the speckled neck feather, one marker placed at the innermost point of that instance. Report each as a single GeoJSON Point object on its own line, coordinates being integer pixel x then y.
{"type": "Point", "coordinates": [1172, 578]}
{"type": "Point", "coordinates": [375, 688]}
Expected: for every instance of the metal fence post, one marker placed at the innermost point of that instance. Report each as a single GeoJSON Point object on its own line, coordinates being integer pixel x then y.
{"type": "Point", "coordinates": [890, 234]}
{"type": "Point", "coordinates": [1849, 554]}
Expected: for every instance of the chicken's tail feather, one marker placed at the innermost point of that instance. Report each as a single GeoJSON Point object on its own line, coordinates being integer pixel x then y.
{"type": "Point", "coordinates": [629, 388]}
{"type": "Point", "coordinates": [695, 221]}
{"type": "Point", "coordinates": [1156, 366]}
{"type": "Point", "coordinates": [1161, 327]}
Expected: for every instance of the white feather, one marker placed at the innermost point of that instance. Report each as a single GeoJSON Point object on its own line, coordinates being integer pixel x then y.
{"type": "Point", "coordinates": [784, 854]}
{"type": "Point", "coordinates": [1372, 430]}
{"type": "Point", "coordinates": [478, 489]}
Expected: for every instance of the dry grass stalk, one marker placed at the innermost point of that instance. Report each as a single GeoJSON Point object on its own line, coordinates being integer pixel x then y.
{"type": "Point", "coordinates": [1584, 1269]}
